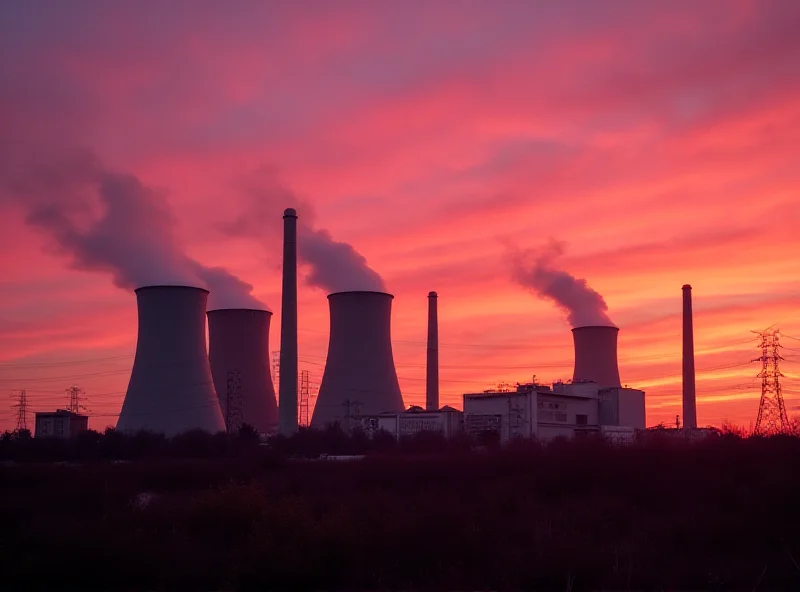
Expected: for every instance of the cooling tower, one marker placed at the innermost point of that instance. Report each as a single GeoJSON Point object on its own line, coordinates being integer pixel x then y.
{"type": "Point", "coordinates": [287, 380]}
{"type": "Point", "coordinates": [689, 402]}
{"type": "Point", "coordinates": [596, 355]}
{"type": "Point", "coordinates": [359, 377]}
{"type": "Point", "coordinates": [171, 389]}
{"type": "Point", "coordinates": [432, 376]}
{"type": "Point", "coordinates": [238, 349]}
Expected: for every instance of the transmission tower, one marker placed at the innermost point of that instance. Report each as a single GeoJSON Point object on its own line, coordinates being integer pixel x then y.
{"type": "Point", "coordinates": [22, 410]}
{"type": "Point", "coordinates": [233, 402]}
{"type": "Point", "coordinates": [305, 393]}
{"type": "Point", "coordinates": [772, 417]}
{"type": "Point", "coordinates": [74, 399]}
{"type": "Point", "coordinates": [352, 410]}
{"type": "Point", "coordinates": [276, 369]}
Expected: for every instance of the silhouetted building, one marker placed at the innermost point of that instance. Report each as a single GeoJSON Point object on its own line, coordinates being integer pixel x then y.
{"type": "Point", "coordinates": [563, 410]}
{"type": "Point", "coordinates": [60, 424]}
{"type": "Point", "coordinates": [446, 421]}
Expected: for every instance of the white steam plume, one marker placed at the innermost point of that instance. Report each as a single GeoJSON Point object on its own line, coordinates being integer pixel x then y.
{"type": "Point", "coordinates": [535, 270]}
{"type": "Point", "coordinates": [110, 222]}
{"type": "Point", "coordinates": [332, 265]}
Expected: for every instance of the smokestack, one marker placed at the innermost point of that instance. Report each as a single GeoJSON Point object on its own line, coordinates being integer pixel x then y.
{"type": "Point", "coordinates": [432, 378]}
{"type": "Point", "coordinates": [689, 401]}
{"type": "Point", "coordinates": [171, 389]}
{"type": "Point", "coordinates": [287, 387]}
{"type": "Point", "coordinates": [238, 342]}
{"type": "Point", "coordinates": [359, 377]}
{"type": "Point", "coordinates": [596, 355]}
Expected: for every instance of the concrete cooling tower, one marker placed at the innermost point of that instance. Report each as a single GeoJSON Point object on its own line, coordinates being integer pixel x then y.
{"type": "Point", "coordinates": [238, 349]}
{"type": "Point", "coordinates": [359, 377]}
{"type": "Point", "coordinates": [171, 389]}
{"type": "Point", "coordinates": [596, 355]}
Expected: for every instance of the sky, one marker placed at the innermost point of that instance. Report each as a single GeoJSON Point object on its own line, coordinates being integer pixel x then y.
{"type": "Point", "coordinates": [654, 142]}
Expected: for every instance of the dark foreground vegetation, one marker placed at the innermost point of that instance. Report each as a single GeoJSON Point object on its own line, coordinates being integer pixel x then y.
{"type": "Point", "coordinates": [664, 514]}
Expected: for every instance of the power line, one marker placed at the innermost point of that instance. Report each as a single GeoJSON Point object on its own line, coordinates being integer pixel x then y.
{"type": "Point", "coordinates": [64, 362]}
{"type": "Point", "coordinates": [520, 346]}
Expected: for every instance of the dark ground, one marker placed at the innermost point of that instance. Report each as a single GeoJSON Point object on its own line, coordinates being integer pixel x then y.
{"type": "Point", "coordinates": [717, 515]}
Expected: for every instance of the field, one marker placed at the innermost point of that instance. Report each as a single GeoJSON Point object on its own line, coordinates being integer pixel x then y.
{"type": "Point", "coordinates": [221, 513]}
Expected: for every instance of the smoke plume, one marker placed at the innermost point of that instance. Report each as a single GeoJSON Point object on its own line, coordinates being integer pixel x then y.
{"type": "Point", "coordinates": [110, 222]}
{"type": "Point", "coordinates": [332, 265]}
{"type": "Point", "coordinates": [535, 270]}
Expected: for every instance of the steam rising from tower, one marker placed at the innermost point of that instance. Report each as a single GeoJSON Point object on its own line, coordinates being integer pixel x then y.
{"type": "Point", "coordinates": [287, 405]}
{"type": "Point", "coordinates": [111, 222]}
{"type": "Point", "coordinates": [596, 355]}
{"type": "Point", "coordinates": [171, 389]}
{"type": "Point", "coordinates": [238, 343]}
{"type": "Point", "coordinates": [534, 269]}
{"type": "Point", "coordinates": [359, 377]}
{"type": "Point", "coordinates": [689, 399]}
{"type": "Point", "coordinates": [432, 377]}
{"type": "Point", "coordinates": [331, 265]}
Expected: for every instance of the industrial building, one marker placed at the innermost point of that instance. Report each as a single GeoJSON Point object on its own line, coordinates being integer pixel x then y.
{"type": "Point", "coordinates": [60, 424]}
{"type": "Point", "coordinates": [447, 421]}
{"type": "Point", "coordinates": [593, 402]}
{"type": "Point", "coordinates": [238, 351]}
{"type": "Point", "coordinates": [562, 410]}
{"type": "Point", "coordinates": [360, 378]}
{"type": "Point", "coordinates": [171, 388]}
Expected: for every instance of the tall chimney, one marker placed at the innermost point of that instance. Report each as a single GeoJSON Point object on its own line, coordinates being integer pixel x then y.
{"type": "Point", "coordinates": [689, 402]}
{"type": "Point", "coordinates": [287, 386]}
{"type": "Point", "coordinates": [432, 377]}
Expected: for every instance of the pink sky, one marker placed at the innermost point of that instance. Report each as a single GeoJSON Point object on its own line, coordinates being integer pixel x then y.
{"type": "Point", "coordinates": [658, 140]}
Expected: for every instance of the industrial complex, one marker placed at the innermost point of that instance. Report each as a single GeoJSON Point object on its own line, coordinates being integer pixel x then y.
{"type": "Point", "coordinates": [177, 385]}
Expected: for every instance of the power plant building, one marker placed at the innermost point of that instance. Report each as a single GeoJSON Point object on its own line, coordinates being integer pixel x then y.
{"type": "Point", "coordinates": [238, 351]}
{"type": "Point", "coordinates": [60, 424]}
{"type": "Point", "coordinates": [171, 389]}
{"type": "Point", "coordinates": [594, 402]}
{"type": "Point", "coordinates": [360, 378]}
{"type": "Point", "coordinates": [447, 421]}
{"type": "Point", "coordinates": [564, 410]}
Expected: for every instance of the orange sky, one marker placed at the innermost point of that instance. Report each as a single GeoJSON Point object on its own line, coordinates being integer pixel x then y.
{"type": "Point", "coordinates": [657, 140]}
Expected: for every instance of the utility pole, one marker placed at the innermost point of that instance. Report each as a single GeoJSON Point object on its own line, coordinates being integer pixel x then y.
{"type": "Point", "coordinates": [772, 417]}
{"type": "Point", "coordinates": [22, 411]}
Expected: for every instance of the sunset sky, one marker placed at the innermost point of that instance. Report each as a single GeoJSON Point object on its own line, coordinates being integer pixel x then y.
{"type": "Point", "coordinates": [658, 141]}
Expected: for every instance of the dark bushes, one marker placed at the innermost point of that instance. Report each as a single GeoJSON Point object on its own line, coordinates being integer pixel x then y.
{"type": "Point", "coordinates": [665, 515]}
